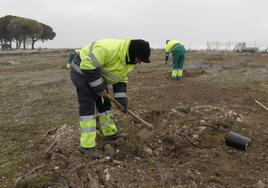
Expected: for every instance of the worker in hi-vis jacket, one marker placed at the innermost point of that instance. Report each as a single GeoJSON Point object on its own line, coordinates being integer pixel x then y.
{"type": "Point", "coordinates": [177, 50]}
{"type": "Point", "coordinates": [101, 63]}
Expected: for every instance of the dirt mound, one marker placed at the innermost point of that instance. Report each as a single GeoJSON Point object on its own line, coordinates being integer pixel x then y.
{"type": "Point", "coordinates": [61, 164]}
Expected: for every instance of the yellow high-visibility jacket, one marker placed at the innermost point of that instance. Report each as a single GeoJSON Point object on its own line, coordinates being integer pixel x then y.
{"type": "Point", "coordinates": [170, 44]}
{"type": "Point", "coordinates": [109, 56]}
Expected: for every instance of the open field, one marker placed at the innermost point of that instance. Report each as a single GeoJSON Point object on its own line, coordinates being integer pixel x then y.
{"type": "Point", "coordinates": [38, 109]}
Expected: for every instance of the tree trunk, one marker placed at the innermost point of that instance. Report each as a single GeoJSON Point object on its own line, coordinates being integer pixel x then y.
{"type": "Point", "coordinates": [24, 44]}
{"type": "Point", "coordinates": [2, 45]}
{"type": "Point", "coordinates": [17, 44]}
{"type": "Point", "coordinates": [33, 41]}
{"type": "Point", "coordinates": [10, 44]}
{"type": "Point", "coordinates": [20, 41]}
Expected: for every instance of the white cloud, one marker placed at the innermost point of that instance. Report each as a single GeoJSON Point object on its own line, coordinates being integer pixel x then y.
{"type": "Point", "coordinates": [192, 21]}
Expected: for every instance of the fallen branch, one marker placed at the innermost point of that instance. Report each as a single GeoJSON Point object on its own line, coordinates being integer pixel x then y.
{"type": "Point", "coordinates": [51, 131]}
{"type": "Point", "coordinates": [4, 165]}
{"type": "Point", "coordinates": [198, 145]}
{"type": "Point", "coordinates": [161, 175]}
{"type": "Point", "coordinates": [35, 169]}
{"type": "Point", "coordinates": [19, 180]}
{"type": "Point", "coordinates": [49, 149]}
{"type": "Point", "coordinates": [259, 103]}
{"type": "Point", "coordinates": [191, 142]}
{"type": "Point", "coordinates": [56, 183]}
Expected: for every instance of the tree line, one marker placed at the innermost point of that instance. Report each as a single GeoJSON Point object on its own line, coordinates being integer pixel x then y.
{"type": "Point", "coordinates": [23, 31]}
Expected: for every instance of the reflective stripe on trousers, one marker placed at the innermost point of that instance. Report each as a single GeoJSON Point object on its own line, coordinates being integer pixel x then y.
{"type": "Point", "coordinates": [88, 131]}
{"type": "Point", "coordinates": [177, 73]}
{"type": "Point", "coordinates": [107, 124]}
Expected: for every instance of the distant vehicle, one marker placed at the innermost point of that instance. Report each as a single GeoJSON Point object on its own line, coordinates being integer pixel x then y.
{"type": "Point", "coordinates": [242, 47]}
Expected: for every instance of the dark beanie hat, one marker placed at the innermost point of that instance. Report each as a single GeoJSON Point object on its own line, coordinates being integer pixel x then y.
{"type": "Point", "coordinates": [140, 49]}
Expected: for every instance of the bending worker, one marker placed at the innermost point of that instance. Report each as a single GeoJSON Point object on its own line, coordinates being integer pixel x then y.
{"type": "Point", "coordinates": [178, 53]}
{"type": "Point", "coordinates": [106, 61]}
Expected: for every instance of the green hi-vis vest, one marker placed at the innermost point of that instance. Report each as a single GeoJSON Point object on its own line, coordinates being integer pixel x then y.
{"type": "Point", "coordinates": [170, 45]}
{"type": "Point", "coordinates": [109, 56]}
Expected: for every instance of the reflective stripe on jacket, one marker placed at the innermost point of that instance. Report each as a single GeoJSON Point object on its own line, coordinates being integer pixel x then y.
{"type": "Point", "coordinates": [170, 45]}
{"type": "Point", "coordinates": [109, 56]}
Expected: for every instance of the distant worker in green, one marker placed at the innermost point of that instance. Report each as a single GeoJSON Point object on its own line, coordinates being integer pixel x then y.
{"type": "Point", "coordinates": [72, 55]}
{"type": "Point", "coordinates": [101, 63]}
{"type": "Point", "coordinates": [178, 54]}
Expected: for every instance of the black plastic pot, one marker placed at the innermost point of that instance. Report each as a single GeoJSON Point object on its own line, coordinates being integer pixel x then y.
{"type": "Point", "coordinates": [238, 141]}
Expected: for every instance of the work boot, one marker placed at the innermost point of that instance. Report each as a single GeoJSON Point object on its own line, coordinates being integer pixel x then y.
{"type": "Point", "coordinates": [179, 77]}
{"type": "Point", "coordinates": [91, 152]}
{"type": "Point", "coordinates": [115, 136]}
{"type": "Point", "coordinates": [174, 78]}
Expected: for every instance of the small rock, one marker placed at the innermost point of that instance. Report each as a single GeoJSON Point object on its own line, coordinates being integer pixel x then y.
{"type": "Point", "coordinates": [259, 184]}
{"type": "Point", "coordinates": [106, 170]}
{"type": "Point", "coordinates": [195, 136]}
{"type": "Point", "coordinates": [117, 162]}
{"type": "Point", "coordinates": [138, 158]}
{"type": "Point", "coordinates": [109, 150]}
{"type": "Point", "coordinates": [184, 127]}
{"type": "Point", "coordinates": [107, 158]}
{"type": "Point", "coordinates": [202, 122]}
{"type": "Point", "coordinates": [173, 110]}
{"type": "Point", "coordinates": [148, 150]}
{"type": "Point", "coordinates": [107, 177]}
{"type": "Point", "coordinates": [120, 142]}
{"type": "Point", "coordinates": [164, 121]}
{"type": "Point", "coordinates": [145, 134]}
{"type": "Point", "coordinates": [14, 63]}
{"type": "Point", "coordinates": [193, 185]}
{"type": "Point", "coordinates": [239, 119]}
{"type": "Point", "coordinates": [93, 181]}
{"type": "Point", "coordinates": [56, 167]}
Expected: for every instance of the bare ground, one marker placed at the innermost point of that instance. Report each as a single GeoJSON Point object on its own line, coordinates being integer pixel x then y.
{"type": "Point", "coordinates": [40, 125]}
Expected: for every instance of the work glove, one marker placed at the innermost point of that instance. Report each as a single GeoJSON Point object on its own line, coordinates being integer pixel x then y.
{"type": "Point", "coordinates": [97, 84]}
{"type": "Point", "coordinates": [124, 102]}
{"type": "Point", "coordinates": [166, 57]}
{"type": "Point", "coordinates": [101, 90]}
{"type": "Point", "coordinates": [120, 94]}
{"type": "Point", "coordinates": [102, 93]}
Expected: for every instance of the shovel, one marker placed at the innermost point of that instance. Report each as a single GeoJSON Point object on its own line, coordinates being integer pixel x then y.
{"type": "Point", "coordinates": [120, 106]}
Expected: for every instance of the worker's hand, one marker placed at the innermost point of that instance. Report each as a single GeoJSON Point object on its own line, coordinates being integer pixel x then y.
{"type": "Point", "coordinates": [102, 93]}
{"type": "Point", "coordinates": [99, 86]}
{"type": "Point", "coordinates": [120, 94]}
{"type": "Point", "coordinates": [124, 102]}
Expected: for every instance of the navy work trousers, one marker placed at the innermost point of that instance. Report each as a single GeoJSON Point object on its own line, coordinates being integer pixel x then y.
{"type": "Point", "coordinates": [87, 98]}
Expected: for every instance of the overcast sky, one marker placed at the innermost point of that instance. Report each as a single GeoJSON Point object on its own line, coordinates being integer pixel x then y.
{"type": "Point", "coordinates": [194, 22]}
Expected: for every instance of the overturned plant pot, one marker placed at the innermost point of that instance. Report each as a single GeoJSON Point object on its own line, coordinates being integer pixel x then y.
{"type": "Point", "coordinates": [238, 141]}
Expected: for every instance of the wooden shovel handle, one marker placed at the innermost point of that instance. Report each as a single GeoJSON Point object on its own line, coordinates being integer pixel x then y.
{"type": "Point", "coordinates": [262, 105]}
{"type": "Point", "coordinates": [121, 107]}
